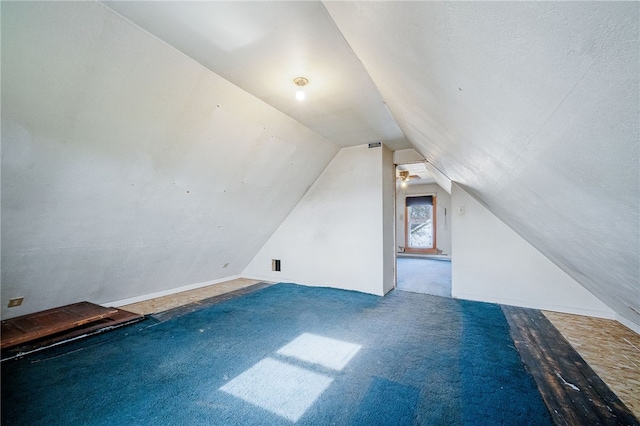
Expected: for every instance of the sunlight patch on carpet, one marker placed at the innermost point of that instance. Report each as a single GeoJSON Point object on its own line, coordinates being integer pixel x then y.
{"type": "Point", "coordinates": [289, 390]}
{"type": "Point", "coordinates": [281, 388]}
{"type": "Point", "coordinates": [329, 353]}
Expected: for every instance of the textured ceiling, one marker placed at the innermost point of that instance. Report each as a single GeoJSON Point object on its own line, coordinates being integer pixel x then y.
{"type": "Point", "coordinates": [262, 47]}
{"type": "Point", "coordinates": [533, 107]}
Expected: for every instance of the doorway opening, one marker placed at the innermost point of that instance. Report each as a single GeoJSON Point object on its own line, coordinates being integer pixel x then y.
{"type": "Point", "coordinates": [423, 233]}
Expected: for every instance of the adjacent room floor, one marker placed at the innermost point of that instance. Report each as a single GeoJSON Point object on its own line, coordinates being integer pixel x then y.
{"type": "Point", "coordinates": [427, 275]}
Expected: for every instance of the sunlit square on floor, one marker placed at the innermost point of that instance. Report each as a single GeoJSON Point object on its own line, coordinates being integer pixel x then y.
{"type": "Point", "coordinates": [281, 388]}
{"type": "Point", "coordinates": [329, 353]}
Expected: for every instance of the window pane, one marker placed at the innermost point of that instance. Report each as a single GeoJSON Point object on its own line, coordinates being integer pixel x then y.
{"type": "Point", "coordinates": [420, 226]}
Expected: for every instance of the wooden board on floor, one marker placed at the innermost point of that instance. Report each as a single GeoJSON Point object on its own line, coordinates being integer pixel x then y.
{"type": "Point", "coordinates": [20, 330]}
{"type": "Point", "coordinates": [200, 304]}
{"type": "Point", "coordinates": [119, 319]}
{"type": "Point", "coordinates": [572, 391]}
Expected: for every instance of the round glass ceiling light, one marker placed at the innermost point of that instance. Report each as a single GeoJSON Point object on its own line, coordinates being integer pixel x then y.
{"type": "Point", "coordinates": [300, 82]}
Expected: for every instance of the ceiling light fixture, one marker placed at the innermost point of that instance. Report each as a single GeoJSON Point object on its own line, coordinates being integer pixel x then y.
{"type": "Point", "coordinates": [300, 82]}
{"type": "Point", "coordinates": [404, 177]}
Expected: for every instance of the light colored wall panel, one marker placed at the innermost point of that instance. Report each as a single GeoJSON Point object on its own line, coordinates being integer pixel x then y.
{"type": "Point", "coordinates": [334, 236]}
{"type": "Point", "coordinates": [128, 168]}
{"type": "Point", "coordinates": [533, 106]}
{"type": "Point", "coordinates": [388, 219]}
{"type": "Point", "coordinates": [492, 263]}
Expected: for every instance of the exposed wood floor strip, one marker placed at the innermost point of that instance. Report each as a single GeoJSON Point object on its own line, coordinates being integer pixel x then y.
{"type": "Point", "coordinates": [610, 348]}
{"type": "Point", "coordinates": [38, 331]}
{"type": "Point", "coordinates": [164, 303]}
{"type": "Point", "coordinates": [34, 326]}
{"type": "Point", "coordinates": [200, 304]}
{"type": "Point", "coordinates": [573, 392]}
{"type": "Point", "coordinates": [114, 319]}
{"type": "Point", "coordinates": [552, 361]}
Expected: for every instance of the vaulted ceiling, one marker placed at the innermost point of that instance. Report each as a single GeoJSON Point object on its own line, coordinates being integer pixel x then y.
{"type": "Point", "coordinates": [532, 107]}
{"type": "Point", "coordinates": [262, 47]}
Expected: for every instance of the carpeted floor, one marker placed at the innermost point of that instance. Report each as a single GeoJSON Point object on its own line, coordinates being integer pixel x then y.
{"type": "Point", "coordinates": [428, 276]}
{"type": "Point", "coordinates": [286, 354]}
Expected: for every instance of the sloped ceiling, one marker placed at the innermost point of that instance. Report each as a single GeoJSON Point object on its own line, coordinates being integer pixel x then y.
{"type": "Point", "coordinates": [534, 108]}
{"type": "Point", "coordinates": [262, 47]}
{"type": "Point", "coordinates": [129, 168]}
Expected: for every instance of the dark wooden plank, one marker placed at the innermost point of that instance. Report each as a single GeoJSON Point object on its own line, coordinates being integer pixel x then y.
{"type": "Point", "coordinates": [530, 363]}
{"type": "Point", "coordinates": [564, 373]}
{"type": "Point", "coordinates": [570, 402]}
{"type": "Point", "coordinates": [34, 326]}
{"type": "Point", "coordinates": [558, 403]}
{"type": "Point", "coordinates": [573, 392]}
{"type": "Point", "coordinates": [118, 319]}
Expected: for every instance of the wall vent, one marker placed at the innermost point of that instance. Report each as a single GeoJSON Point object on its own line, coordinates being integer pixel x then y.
{"type": "Point", "coordinates": [275, 265]}
{"type": "Point", "coordinates": [375, 145]}
{"type": "Point", "coordinates": [16, 301]}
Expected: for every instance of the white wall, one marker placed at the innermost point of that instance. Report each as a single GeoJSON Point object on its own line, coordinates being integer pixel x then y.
{"type": "Point", "coordinates": [443, 224]}
{"type": "Point", "coordinates": [533, 105]}
{"type": "Point", "coordinates": [128, 168]}
{"type": "Point", "coordinates": [334, 237]}
{"type": "Point", "coordinates": [492, 263]}
{"type": "Point", "coordinates": [388, 220]}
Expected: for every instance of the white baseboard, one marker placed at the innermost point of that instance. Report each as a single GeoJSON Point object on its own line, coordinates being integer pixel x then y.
{"type": "Point", "coordinates": [149, 296]}
{"type": "Point", "coordinates": [265, 278]}
{"type": "Point", "coordinates": [542, 306]}
{"type": "Point", "coordinates": [632, 325]}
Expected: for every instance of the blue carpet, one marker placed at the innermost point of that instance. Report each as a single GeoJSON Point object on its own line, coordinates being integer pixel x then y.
{"type": "Point", "coordinates": [400, 403]}
{"type": "Point", "coordinates": [428, 276]}
{"type": "Point", "coordinates": [283, 355]}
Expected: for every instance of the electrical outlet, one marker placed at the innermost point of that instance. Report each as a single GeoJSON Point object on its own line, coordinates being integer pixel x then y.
{"type": "Point", "coordinates": [16, 301]}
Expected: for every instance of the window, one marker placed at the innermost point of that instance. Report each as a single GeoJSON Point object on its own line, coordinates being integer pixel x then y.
{"type": "Point", "coordinates": [420, 229]}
